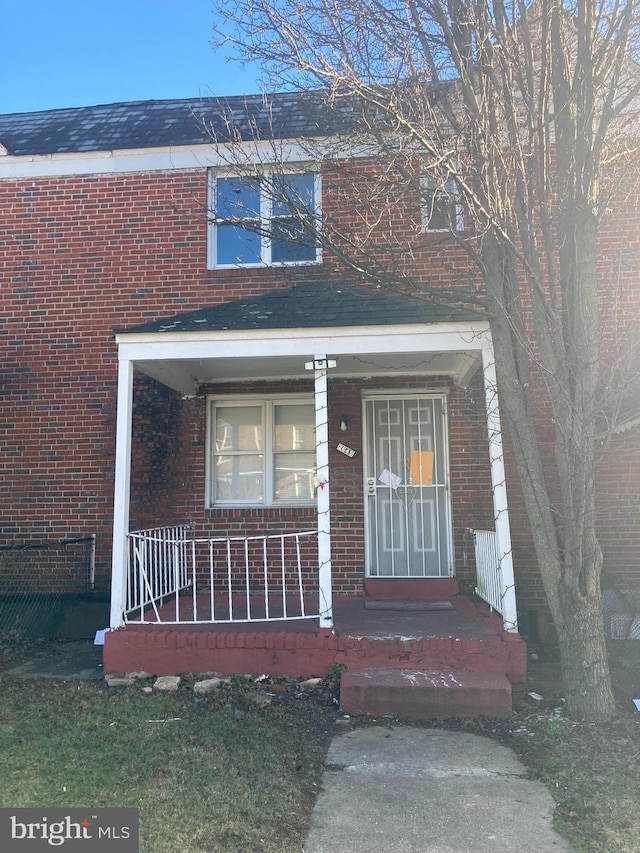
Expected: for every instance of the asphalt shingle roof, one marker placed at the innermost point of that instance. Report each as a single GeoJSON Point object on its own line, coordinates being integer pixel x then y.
{"type": "Point", "coordinates": [306, 306]}
{"type": "Point", "coordinates": [159, 124]}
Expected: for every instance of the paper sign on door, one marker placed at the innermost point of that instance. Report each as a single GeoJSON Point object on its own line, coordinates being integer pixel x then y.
{"type": "Point", "coordinates": [390, 479]}
{"type": "Point", "coordinates": [421, 466]}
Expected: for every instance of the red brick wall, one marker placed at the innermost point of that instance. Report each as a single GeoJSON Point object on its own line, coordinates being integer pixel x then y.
{"type": "Point", "coordinates": [82, 256]}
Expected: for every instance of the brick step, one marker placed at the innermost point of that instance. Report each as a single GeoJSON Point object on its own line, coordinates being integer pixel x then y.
{"type": "Point", "coordinates": [425, 588]}
{"type": "Point", "coordinates": [421, 695]}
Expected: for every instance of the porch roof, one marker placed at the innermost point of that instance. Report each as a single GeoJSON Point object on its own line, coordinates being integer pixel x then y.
{"type": "Point", "coordinates": [273, 336]}
{"type": "Point", "coordinates": [309, 305]}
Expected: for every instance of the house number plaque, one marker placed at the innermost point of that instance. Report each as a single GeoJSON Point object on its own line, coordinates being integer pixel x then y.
{"type": "Point", "coordinates": [348, 451]}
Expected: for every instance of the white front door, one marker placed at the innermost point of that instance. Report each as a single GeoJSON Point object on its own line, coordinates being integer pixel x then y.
{"type": "Point", "coordinates": [407, 487]}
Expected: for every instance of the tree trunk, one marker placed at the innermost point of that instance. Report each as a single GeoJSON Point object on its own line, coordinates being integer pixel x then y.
{"type": "Point", "coordinates": [576, 609]}
{"type": "Point", "coordinates": [581, 630]}
{"type": "Point", "coordinates": [583, 655]}
{"type": "Point", "coordinates": [570, 576]}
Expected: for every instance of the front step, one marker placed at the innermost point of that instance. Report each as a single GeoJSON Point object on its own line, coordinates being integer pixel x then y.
{"type": "Point", "coordinates": [408, 587]}
{"type": "Point", "coordinates": [421, 695]}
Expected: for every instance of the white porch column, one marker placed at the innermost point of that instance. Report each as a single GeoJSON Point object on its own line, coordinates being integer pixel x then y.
{"type": "Point", "coordinates": [121, 493]}
{"type": "Point", "coordinates": [499, 488]}
{"type": "Point", "coordinates": [320, 366]}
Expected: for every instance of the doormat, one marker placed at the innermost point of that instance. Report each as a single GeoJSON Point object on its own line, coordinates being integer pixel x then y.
{"type": "Point", "coordinates": [406, 604]}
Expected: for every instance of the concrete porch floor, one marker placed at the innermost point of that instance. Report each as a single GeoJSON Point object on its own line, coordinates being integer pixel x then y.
{"type": "Point", "coordinates": [466, 618]}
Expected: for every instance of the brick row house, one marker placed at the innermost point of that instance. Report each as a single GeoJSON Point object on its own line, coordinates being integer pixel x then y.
{"type": "Point", "coordinates": [284, 469]}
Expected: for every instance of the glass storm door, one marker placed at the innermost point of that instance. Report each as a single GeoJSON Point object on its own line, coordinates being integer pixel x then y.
{"type": "Point", "coordinates": [406, 487]}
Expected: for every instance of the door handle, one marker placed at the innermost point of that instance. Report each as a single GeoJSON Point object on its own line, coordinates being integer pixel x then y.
{"type": "Point", "coordinates": [371, 485]}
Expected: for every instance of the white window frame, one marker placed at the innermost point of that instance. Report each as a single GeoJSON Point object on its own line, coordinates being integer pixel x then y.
{"type": "Point", "coordinates": [266, 205]}
{"type": "Point", "coordinates": [446, 190]}
{"type": "Point", "coordinates": [268, 404]}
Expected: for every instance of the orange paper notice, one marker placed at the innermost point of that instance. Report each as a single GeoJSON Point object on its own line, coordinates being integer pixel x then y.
{"type": "Point", "coordinates": [421, 465]}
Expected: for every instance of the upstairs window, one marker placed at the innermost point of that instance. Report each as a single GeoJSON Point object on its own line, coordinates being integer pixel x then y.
{"type": "Point", "coordinates": [262, 452]}
{"type": "Point", "coordinates": [264, 220]}
{"type": "Point", "coordinates": [237, 222]}
{"type": "Point", "coordinates": [441, 207]}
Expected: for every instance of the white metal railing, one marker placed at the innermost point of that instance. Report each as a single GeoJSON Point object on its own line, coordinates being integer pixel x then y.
{"type": "Point", "coordinates": [158, 566]}
{"type": "Point", "coordinates": [489, 584]}
{"type": "Point", "coordinates": [176, 578]}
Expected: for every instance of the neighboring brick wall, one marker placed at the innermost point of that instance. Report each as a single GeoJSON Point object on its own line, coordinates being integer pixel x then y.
{"type": "Point", "coordinates": [79, 257]}
{"type": "Point", "coordinates": [619, 510]}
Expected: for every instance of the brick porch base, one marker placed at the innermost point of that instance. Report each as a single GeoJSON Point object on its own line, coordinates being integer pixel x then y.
{"type": "Point", "coordinates": [467, 639]}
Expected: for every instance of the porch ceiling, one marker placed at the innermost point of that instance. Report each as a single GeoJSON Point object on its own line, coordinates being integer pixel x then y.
{"type": "Point", "coordinates": [188, 374]}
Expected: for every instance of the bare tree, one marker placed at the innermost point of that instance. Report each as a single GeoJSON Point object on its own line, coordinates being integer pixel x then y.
{"type": "Point", "coordinates": [521, 119]}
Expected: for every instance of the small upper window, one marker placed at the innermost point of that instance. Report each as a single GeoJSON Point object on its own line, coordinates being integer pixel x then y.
{"type": "Point", "coordinates": [441, 207]}
{"type": "Point", "coordinates": [264, 219]}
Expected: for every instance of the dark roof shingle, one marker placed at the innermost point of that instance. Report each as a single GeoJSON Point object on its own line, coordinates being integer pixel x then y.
{"type": "Point", "coordinates": [160, 124]}
{"type": "Point", "coordinates": [303, 306]}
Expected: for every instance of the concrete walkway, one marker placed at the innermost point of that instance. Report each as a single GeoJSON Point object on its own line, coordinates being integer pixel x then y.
{"type": "Point", "coordinates": [403, 790]}
{"type": "Point", "coordinates": [80, 661]}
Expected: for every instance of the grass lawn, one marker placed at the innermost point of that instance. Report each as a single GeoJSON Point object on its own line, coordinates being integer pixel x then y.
{"type": "Point", "coordinates": [239, 769]}
{"type": "Point", "coordinates": [217, 773]}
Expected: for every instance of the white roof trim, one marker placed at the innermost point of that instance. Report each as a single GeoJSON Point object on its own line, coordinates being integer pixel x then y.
{"type": "Point", "coordinates": [423, 337]}
{"type": "Point", "coordinates": [186, 360]}
{"type": "Point", "coordinates": [169, 159]}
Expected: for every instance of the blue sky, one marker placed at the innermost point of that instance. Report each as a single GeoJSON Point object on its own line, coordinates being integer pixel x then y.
{"type": "Point", "coordinates": [70, 53]}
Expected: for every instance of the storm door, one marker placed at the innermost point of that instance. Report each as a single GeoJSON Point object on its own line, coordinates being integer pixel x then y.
{"type": "Point", "coordinates": [407, 487]}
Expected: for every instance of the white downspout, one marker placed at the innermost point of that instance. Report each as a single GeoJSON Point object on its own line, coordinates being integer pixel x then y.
{"type": "Point", "coordinates": [121, 494]}
{"type": "Point", "coordinates": [320, 366]}
{"type": "Point", "coordinates": [499, 489]}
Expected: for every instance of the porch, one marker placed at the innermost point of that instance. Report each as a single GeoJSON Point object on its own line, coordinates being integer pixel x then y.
{"type": "Point", "coordinates": [371, 482]}
{"type": "Point", "coordinates": [249, 605]}
{"type": "Point", "coordinates": [463, 645]}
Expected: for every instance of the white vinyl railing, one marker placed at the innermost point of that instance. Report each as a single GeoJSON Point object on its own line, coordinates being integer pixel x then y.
{"type": "Point", "coordinates": [176, 578]}
{"type": "Point", "coordinates": [489, 584]}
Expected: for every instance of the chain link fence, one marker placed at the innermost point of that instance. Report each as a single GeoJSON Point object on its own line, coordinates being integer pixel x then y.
{"type": "Point", "coordinates": [621, 608]}
{"type": "Point", "coordinates": [42, 585]}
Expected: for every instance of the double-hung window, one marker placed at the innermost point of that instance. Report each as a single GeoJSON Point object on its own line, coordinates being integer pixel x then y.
{"type": "Point", "coordinates": [264, 219]}
{"type": "Point", "coordinates": [262, 452]}
{"type": "Point", "coordinates": [441, 207]}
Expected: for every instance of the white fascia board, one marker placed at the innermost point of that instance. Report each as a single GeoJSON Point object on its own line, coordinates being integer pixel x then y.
{"type": "Point", "coordinates": [164, 159]}
{"type": "Point", "coordinates": [348, 340]}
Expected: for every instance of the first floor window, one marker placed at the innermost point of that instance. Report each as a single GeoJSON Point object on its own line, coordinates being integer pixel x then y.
{"type": "Point", "coordinates": [262, 452]}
